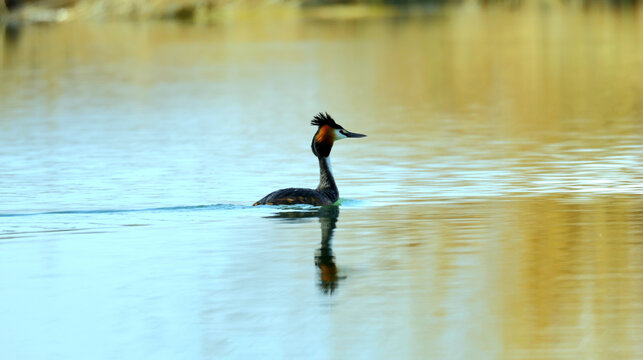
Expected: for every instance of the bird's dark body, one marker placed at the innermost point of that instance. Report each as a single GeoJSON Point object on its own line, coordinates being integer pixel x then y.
{"type": "Point", "coordinates": [291, 196]}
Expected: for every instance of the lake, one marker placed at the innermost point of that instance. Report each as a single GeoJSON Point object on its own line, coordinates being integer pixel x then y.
{"type": "Point", "coordinates": [495, 210]}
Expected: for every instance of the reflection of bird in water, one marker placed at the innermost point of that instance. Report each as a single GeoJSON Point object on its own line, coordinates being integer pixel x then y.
{"type": "Point", "coordinates": [328, 132]}
{"type": "Point", "coordinates": [324, 257]}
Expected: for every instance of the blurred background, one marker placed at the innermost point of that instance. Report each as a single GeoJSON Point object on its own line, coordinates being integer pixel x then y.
{"type": "Point", "coordinates": [495, 210]}
{"type": "Point", "coordinates": [211, 11]}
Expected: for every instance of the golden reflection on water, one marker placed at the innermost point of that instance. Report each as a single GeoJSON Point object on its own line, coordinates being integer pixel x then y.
{"type": "Point", "coordinates": [538, 278]}
{"type": "Point", "coordinates": [576, 278]}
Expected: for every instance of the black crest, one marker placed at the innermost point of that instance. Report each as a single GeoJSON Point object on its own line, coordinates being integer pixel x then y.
{"type": "Point", "coordinates": [322, 119]}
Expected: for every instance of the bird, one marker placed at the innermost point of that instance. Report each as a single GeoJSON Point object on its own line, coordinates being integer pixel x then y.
{"type": "Point", "coordinates": [326, 193]}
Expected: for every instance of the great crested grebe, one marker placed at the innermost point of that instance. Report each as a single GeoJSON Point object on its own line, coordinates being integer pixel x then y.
{"type": "Point", "coordinates": [326, 193]}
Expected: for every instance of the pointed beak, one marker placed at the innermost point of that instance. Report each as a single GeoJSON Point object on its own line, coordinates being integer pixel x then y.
{"type": "Point", "coordinates": [352, 134]}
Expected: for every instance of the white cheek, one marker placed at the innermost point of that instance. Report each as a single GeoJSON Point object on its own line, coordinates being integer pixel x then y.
{"type": "Point", "coordinates": [339, 135]}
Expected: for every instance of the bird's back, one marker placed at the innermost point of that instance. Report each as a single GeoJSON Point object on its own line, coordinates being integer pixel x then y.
{"type": "Point", "coordinates": [292, 196]}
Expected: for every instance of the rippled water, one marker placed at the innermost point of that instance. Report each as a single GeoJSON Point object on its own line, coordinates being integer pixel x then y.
{"type": "Point", "coordinates": [494, 211]}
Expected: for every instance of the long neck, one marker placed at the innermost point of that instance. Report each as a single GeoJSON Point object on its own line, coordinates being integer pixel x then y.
{"type": "Point", "coordinates": [326, 180]}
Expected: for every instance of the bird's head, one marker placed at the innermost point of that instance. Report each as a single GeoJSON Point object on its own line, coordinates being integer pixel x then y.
{"type": "Point", "coordinates": [328, 132]}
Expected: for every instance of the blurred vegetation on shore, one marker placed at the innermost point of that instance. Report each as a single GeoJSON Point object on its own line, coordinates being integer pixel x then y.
{"type": "Point", "coordinates": [214, 10]}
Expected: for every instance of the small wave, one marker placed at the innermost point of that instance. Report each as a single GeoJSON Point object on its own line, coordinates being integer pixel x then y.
{"type": "Point", "coordinates": [352, 202]}
{"type": "Point", "coordinates": [293, 207]}
{"type": "Point", "coordinates": [122, 211]}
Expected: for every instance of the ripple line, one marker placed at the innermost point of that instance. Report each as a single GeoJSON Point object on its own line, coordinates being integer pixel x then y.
{"type": "Point", "coordinates": [121, 211]}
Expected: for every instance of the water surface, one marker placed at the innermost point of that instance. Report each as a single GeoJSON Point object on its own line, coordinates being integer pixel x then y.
{"type": "Point", "coordinates": [494, 212]}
